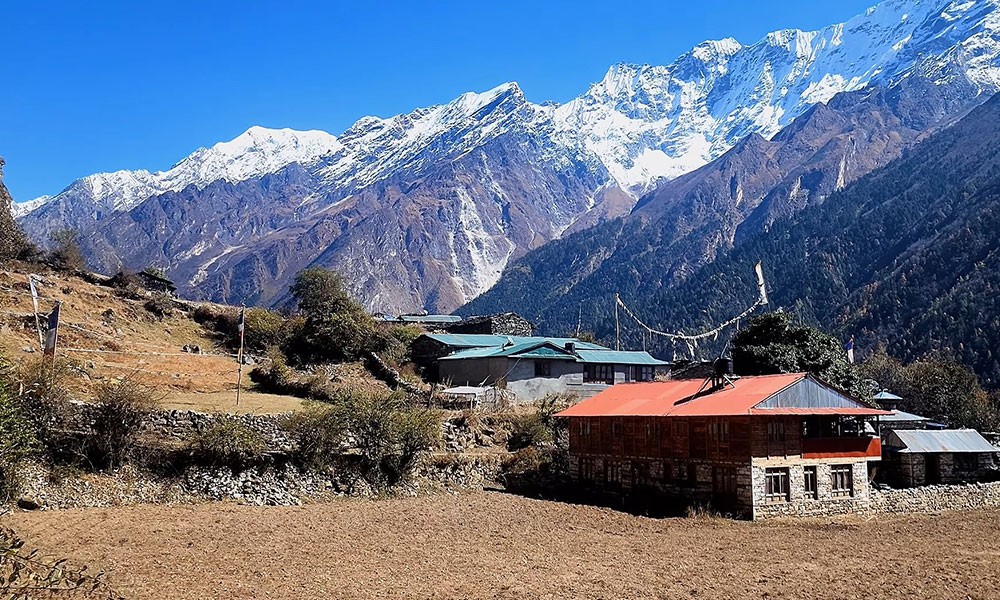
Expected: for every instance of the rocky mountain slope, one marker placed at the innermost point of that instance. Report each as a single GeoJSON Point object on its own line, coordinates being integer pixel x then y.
{"type": "Point", "coordinates": [905, 256]}
{"type": "Point", "coordinates": [685, 223]}
{"type": "Point", "coordinates": [424, 210]}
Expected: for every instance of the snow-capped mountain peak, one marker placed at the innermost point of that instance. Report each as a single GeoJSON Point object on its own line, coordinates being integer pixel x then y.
{"type": "Point", "coordinates": [637, 126]}
{"type": "Point", "coordinates": [257, 151]}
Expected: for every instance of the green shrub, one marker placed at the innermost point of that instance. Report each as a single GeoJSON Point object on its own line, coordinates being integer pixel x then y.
{"type": "Point", "coordinates": [229, 442]}
{"type": "Point", "coordinates": [320, 435]}
{"type": "Point", "coordinates": [335, 327]}
{"type": "Point", "coordinates": [375, 438]}
{"type": "Point", "coordinates": [118, 415]}
{"type": "Point", "coordinates": [263, 329]}
{"type": "Point", "coordinates": [17, 437]}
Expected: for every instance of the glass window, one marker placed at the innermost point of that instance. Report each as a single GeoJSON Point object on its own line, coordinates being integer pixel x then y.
{"type": "Point", "coordinates": [967, 462]}
{"type": "Point", "coordinates": [809, 482]}
{"type": "Point", "coordinates": [719, 430]}
{"type": "Point", "coordinates": [543, 368]}
{"type": "Point", "coordinates": [593, 373]}
{"type": "Point", "coordinates": [842, 480]}
{"type": "Point", "coordinates": [776, 432]}
{"type": "Point", "coordinates": [776, 485]}
{"type": "Point", "coordinates": [724, 480]}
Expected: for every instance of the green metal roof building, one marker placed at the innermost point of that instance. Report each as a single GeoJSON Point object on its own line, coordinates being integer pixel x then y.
{"type": "Point", "coordinates": [531, 367]}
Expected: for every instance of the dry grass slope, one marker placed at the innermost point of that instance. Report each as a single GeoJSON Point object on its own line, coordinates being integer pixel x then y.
{"type": "Point", "coordinates": [128, 340]}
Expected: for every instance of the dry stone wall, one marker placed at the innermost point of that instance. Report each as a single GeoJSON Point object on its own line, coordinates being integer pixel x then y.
{"type": "Point", "coordinates": [936, 498]}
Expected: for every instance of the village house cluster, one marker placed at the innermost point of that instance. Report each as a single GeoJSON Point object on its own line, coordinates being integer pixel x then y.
{"type": "Point", "coordinates": [763, 446]}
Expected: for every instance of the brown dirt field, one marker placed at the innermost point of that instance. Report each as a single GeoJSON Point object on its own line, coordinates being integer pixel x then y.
{"type": "Point", "coordinates": [492, 545]}
{"type": "Point", "coordinates": [225, 402]}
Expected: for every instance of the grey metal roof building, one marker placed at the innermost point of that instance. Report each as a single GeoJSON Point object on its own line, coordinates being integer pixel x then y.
{"type": "Point", "coordinates": [952, 441]}
{"type": "Point", "coordinates": [899, 415]}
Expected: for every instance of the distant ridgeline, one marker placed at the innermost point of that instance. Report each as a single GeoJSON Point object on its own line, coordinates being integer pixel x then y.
{"type": "Point", "coordinates": [905, 255]}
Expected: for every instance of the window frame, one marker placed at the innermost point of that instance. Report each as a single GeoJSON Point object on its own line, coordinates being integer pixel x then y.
{"type": "Point", "coordinates": [592, 373]}
{"type": "Point", "coordinates": [776, 431]}
{"type": "Point", "coordinates": [839, 476]}
{"type": "Point", "coordinates": [810, 474]}
{"type": "Point", "coordinates": [776, 488]}
{"type": "Point", "coordinates": [966, 462]}
{"type": "Point", "coordinates": [724, 480]}
{"type": "Point", "coordinates": [543, 368]}
{"type": "Point", "coordinates": [718, 430]}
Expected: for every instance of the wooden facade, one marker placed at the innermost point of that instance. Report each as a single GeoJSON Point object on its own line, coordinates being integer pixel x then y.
{"type": "Point", "coordinates": [761, 447]}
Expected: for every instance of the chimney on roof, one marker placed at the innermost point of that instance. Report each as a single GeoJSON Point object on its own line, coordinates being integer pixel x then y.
{"type": "Point", "coordinates": [571, 346]}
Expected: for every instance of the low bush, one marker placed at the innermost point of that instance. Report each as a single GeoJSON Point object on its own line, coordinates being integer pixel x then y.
{"type": "Point", "coordinates": [375, 438]}
{"type": "Point", "coordinates": [17, 438]}
{"type": "Point", "coordinates": [229, 442]}
{"type": "Point", "coordinates": [263, 329]}
{"type": "Point", "coordinates": [319, 434]}
{"type": "Point", "coordinates": [161, 305]}
{"type": "Point", "coordinates": [120, 409]}
{"type": "Point", "coordinates": [540, 427]}
{"type": "Point", "coordinates": [44, 396]}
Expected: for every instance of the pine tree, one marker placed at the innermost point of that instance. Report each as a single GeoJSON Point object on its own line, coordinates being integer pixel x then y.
{"type": "Point", "coordinates": [13, 242]}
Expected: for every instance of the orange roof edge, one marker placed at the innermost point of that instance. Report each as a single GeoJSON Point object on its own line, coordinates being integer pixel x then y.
{"type": "Point", "coordinates": [678, 398]}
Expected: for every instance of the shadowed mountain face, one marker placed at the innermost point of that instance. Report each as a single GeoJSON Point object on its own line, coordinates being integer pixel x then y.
{"type": "Point", "coordinates": [687, 222]}
{"type": "Point", "coordinates": [906, 256]}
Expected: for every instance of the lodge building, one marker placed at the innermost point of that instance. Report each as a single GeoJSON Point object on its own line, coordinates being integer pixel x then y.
{"type": "Point", "coordinates": [757, 446]}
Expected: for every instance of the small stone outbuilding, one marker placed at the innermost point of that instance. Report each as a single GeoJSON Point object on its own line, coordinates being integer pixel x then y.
{"type": "Point", "coordinates": [916, 457]}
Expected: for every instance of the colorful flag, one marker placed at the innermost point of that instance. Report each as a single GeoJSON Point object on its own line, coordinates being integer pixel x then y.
{"type": "Point", "coordinates": [34, 302]}
{"type": "Point", "coordinates": [52, 334]}
{"type": "Point", "coordinates": [849, 348]}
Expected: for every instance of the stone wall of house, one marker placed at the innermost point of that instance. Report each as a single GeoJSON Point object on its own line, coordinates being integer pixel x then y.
{"type": "Point", "coordinates": [936, 498]}
{"type": "Point", "coordinates": [802, 504]}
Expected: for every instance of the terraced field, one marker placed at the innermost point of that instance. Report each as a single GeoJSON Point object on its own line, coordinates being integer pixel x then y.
{"type": "Point", "coordinates": [494, 545]}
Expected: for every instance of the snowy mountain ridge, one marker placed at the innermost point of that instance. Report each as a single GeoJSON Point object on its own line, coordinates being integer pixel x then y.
{"type": "Point", "coordinates": [639, 126]}
{"type": "Point", "coordinates": [643, 123]}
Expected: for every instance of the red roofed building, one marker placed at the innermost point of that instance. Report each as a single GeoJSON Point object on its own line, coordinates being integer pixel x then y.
{"type": "Point", "coordinates": [760, 446]}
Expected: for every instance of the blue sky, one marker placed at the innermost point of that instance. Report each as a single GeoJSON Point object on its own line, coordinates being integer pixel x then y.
{"type": "Point", "coordinates": [102, 86]}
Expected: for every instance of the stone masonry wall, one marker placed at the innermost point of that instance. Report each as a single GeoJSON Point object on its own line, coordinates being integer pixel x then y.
{"type": "Point", "coordinates": [801, 505]}
{"type": "Point", "coordinates": [936, 498]}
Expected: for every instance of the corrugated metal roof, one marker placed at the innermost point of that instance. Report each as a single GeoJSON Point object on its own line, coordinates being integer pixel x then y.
{"type": "Point", "coordinates": [429, 318]}
{"type": "Point", "coordinates": [677, 399]}
{"type": "Point", "coordinates": [541, 349]}
{"type": "Point", "coordinates": [898, 415]}
{"type": "Point", "coordinates": [943, 440]}
{"type": "Point", "coordinates": [464, 390]}
{"type": "Point", "coordinates": [860, 411]}
{"type": "Point", "coordinates": [478, 340]}
{"type": "Point", "coordinates": [884, 395]}
{"type": "Point", "coordinates": [618, 357]}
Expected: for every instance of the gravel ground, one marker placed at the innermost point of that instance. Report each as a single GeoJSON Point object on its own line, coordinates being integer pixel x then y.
{"type": "Point", "coordinates": [493, 545]}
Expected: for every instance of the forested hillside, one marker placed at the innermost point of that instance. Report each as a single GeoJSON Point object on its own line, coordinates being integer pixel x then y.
{"type": "Point", "coordinates": [686, 223]}
{"type": "Point", "coordinates": [907, 256]}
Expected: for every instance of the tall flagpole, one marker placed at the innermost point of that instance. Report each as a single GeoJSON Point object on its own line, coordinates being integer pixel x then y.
{"type": "Point", "coordinates": [239, 355]}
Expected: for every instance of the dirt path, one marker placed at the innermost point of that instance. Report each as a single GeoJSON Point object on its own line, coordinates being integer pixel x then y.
{"type": "Point", "coordinates": [491, 545]}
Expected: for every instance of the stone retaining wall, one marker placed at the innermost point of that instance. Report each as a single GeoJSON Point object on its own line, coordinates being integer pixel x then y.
{"type": "Point", "coordinates": [936, 498]}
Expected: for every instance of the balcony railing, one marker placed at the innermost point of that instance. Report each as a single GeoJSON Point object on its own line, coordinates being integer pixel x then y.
{"type": "Point", "coordinates": [842, 447]}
